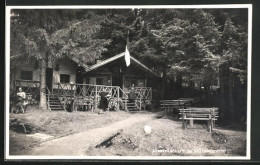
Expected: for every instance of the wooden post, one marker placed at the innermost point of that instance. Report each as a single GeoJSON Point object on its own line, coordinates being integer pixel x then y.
{"type": "Point", "coordinates": [211, 120]}
{"type": "Point", "coordinates": [164, 107]}
{"type": "Point", "coordinates": [151, 93]}
{"type": "Point", "coordinates": [58, 89]}
{"type": "Point", "coordinates": [140, 108]}
{"type": "Point", "coordinates": [118, 98]}
{"type": "Point", "coordinates": [210, 123]}
{"type": "Point", "coordinates": [126, 105]}
{"type": "Point", "coordinates": [95, 97]}
{"type": "Point", "coordinates": [83, 90]}
{"type": "Point", "coordinates": [123, 82]}
{"type": "Point", "coordinates": [48, 102]}
{"type": "Point", "coordinates": [183, 121]}
{"type": "Point", "coordinates": [74, 91]}
{"type": "Point", "coordinates": [75, 104]}
{"type": "Point", "coordinates": [214, 118]}
{"type": "Point", "coordinates": [191, 123]}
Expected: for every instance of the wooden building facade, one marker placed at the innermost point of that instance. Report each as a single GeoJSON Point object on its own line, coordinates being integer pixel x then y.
{"type": "Point", "coordinates": [69, 79]}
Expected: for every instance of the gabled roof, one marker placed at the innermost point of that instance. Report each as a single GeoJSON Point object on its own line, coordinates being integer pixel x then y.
{"type": "Point", "coordinates": [104, 62]}
{"type": "Point", "coordinates": [78, 62]}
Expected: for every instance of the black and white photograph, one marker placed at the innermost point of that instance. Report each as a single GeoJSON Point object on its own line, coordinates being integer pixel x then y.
{"type": "Point", "coordinates": [128, 82]}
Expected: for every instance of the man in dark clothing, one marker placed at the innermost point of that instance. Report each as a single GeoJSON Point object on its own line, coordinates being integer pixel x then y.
{"type": "Point", "coordinates": [103, 105]}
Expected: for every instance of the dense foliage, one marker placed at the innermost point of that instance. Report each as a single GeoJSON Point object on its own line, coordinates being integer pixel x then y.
{"type": "Point", "coordinates": [201, 47]}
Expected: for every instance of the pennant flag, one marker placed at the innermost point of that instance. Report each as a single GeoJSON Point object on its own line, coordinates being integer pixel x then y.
{"type": "Point", "coordinates": [127, 53]}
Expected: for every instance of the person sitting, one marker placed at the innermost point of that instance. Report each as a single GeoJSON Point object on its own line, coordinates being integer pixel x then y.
{"type": "Point", "coordinates": [21, 100]}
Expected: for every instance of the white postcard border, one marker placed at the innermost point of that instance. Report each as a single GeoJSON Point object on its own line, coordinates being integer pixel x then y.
{"type": "Point", "coordinates": [7, 88]}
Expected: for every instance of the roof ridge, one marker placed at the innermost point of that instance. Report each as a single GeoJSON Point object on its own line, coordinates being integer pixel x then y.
{"type": "Point", "coordinates": [103, 62]}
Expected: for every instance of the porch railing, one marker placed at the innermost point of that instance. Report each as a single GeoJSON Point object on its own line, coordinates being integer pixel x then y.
{"type": "Point", "coordinates": [90, 91]}
{"type": "Point", "coordinates": [29, 86]}
{"type": "Point", "coordinates": [143, 93]}
{"type": "Point", "coordinates": [93, 92]}
{"type": "Point", "coordinates": [87, 90]}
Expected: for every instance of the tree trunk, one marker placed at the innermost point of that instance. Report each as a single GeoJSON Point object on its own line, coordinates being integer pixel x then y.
{"type": "Point", "coordinates": [222, 97]}
{"type": "Point", "coordinates": [179, 85]}
{"type": "Point", "coordinates": [231, 101]}
{"type": "Point", "coordinates": [42, 103]}
{"type": "Point", "coordinates": [224, 89]}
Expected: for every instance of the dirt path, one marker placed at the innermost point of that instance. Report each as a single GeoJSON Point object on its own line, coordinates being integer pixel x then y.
{"type": "Point", "coordinates": [76, 144]}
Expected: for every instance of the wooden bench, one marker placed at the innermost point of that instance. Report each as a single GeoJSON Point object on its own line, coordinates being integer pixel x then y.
{"type": "Point", "coordinates": [171, 105]}
{"type": "Point", "coordinates": [194, 113]}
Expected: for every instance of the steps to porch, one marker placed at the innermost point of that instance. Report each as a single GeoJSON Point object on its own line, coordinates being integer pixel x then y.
{"type": "Point", "coordinates": [54, 104]}
{"type": "Point", "coordinates": [130, 106]}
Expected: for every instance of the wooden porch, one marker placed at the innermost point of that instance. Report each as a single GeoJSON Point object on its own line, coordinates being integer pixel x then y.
{"type": "Point", "coordinates": [89, 94]}
{"type": "Point", "coordinates": [85, 95]}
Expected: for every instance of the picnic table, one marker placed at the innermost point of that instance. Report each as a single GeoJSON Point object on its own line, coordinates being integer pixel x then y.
{"type": "Point", "coordinates": [172, 105]}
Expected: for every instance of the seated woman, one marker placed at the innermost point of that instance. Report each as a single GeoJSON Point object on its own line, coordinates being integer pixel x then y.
{"type": "Point", "coordinates": [21, 100]}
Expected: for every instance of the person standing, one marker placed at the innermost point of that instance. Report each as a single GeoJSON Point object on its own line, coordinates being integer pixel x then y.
{"type": "Point", "coordinates": [132, 95]}
{"type": "Point", "coordinates": [21, 100]}
{"type": "Point", "coordinates": [103, 104]}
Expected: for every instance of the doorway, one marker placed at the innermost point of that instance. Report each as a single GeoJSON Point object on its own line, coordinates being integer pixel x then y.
{"type": "Point", "coordinates": [79, 80]}
{"type": "Point", "coordinates": [117, 80]}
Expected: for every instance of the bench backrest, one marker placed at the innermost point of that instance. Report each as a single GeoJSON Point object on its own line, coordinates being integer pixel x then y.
{"type": "Point", "coordinates": [199, 111]}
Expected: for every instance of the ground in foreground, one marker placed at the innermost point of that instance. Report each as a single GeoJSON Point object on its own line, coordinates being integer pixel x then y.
{"type": "Point", "coordinates": [167, 137]}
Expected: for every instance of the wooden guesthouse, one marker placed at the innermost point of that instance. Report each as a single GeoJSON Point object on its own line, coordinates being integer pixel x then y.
{"type": "Point", "coordinates": [69, 81]}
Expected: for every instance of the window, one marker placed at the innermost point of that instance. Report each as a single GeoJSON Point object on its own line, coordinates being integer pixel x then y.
{"type": "Point", "coordinates": [64, 78]}
{"type": "Point", "coordinates": [26, 75]}
{"type": "Point", "coordinates": [140, 83]}
{"type": "Point", "coordinates": [100, 81]}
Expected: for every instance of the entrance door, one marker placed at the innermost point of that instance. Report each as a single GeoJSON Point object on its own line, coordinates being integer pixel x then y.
{"type": "Point", "coordinates": [117, 80]}
{"type": "Point", "coordinates": [49, 77]}
{"type": "Point", "coordinates": [79, 80]}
